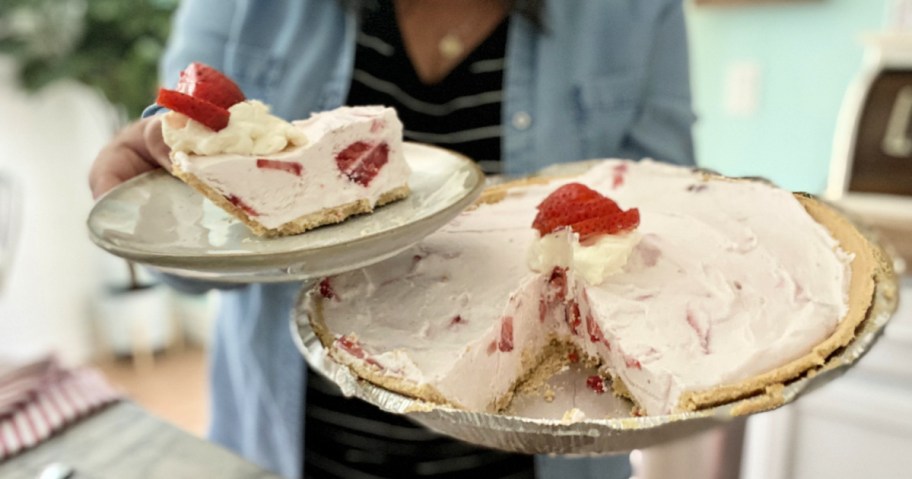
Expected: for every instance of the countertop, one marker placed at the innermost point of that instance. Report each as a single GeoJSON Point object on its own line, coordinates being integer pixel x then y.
{"type": "Point", "coordinates": [123, 441]}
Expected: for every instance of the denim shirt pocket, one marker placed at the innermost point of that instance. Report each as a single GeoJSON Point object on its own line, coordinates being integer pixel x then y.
{"type": "Point", "coordinates": [256, 70]}
{"type": "Point", "coordinates": [606, 107]}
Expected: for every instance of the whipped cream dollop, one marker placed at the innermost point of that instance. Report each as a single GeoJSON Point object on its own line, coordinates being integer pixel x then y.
{"type": "Point", "coordinates": [594, 261]}
{"type": "Point", "coordinates": [251, 130]}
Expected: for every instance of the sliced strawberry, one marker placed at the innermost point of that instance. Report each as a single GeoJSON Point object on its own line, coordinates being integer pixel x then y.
{"type": "Point", "coordinates": [570, 193]}
{"type": "Point", "coordinates": [612, 224]}
{"type": "Point", "coordinates": [568, 196]}
{"type": "Point", "coordinates": [292, 167]}
{"type": "Point", "coordinates": [584, 210]}
{"type": "Point", "coordinates": [361, 161]}
{"type": "Point", "coordinates": [209, 114]}
{"type": "Point", "coordinates": [568, 204]}
{"type": "Point", "coordinates": [206, 83]}
{"type": "Point", "coordinates": [589, 208]}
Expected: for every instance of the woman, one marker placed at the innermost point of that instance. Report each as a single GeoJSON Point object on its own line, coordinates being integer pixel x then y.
{"type": "Point", "coordinates": [517, 85]}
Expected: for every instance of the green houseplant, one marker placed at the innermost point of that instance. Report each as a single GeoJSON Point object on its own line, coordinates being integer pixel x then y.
{"type": "Point", "coordinates": [110, 45]}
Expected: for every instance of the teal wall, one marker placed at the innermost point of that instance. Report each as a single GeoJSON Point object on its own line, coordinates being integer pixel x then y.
{"type": "Point", "coordinates": [807, 54]}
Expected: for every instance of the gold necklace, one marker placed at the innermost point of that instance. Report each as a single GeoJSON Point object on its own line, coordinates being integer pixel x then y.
{"type": "Point", "coordinates": [450, 46]}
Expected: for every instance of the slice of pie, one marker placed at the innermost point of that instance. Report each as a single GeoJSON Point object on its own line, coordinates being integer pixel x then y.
{"type": "Point", "coordinates": [281, 178]}
{"type": "Point", "coordinates": [686, 289]}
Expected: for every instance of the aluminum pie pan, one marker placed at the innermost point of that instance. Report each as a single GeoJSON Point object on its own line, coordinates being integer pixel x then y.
{"type": "Point", "coordinates": [590, 436]}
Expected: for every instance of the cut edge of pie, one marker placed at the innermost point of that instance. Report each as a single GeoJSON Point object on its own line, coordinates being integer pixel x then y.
{"type": "Point", "coordinates": [309, 221]}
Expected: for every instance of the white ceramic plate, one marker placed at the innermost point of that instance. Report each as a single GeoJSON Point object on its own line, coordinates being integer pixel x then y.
{"type": "Point", "coordinates": [157, 220]}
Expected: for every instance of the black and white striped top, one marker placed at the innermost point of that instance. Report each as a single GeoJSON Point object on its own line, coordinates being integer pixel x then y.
{"type": "Point", "coordinates": [461, 112]}
{"type": "Point", "coordinates": [347, 438]}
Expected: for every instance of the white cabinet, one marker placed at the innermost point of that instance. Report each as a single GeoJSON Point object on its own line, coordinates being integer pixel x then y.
{"type": "Point", "coordinates": [857, 426]}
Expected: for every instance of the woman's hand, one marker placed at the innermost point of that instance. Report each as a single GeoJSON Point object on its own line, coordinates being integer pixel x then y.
{"type": "Point", "coordinates": [136, 149]}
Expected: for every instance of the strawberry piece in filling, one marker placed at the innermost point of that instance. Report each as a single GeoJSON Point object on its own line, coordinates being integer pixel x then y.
{"type": "Point", "coordinates": [595, 333]}
{"type": "Point", "coordinates": [574, 319]}
{"type": "Point", "coordinates": [558, 284]}
{"type": "Point", "coordinates": [361, 161]}
{"type": "Point", "coordinates": [458, 319]}
{"type": "Point", "coordinates": [596, 383]}
{"type": "Point", "coordinates": [326, 290]}
{"type": "Point", "coordinates": [350, 346]}
{"type": "Point", "coordinates": [506, 335]}
{"type": "Point", "coordinates": [234, 200]}
{"type": "Point", "coordinates": [619, 172]}
{"type": "Point", "coordinates": [632, 362]}
{"type": "Point", "coordinates": [292, 167]}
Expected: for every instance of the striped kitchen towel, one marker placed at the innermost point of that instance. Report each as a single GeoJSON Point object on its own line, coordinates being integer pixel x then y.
{"type": "Point", "coordinates": [40, 398]}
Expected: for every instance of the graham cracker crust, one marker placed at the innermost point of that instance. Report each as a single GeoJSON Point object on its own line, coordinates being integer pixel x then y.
{"type": "Point", "coordinates": [326, 216]}
{"type": "Point", "coordinates": [537, 367]}
{"type": "Point", "coordinates": [314, 307]}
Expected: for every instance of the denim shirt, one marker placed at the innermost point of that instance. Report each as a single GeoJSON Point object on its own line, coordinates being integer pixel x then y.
{"type": "Point", "coordinates": [604, 78]}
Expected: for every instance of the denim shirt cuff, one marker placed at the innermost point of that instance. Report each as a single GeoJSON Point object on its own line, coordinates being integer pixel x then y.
{"type": "Point", "coordinates": [152, 110]}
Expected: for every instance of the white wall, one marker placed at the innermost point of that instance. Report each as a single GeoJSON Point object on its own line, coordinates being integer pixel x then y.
{"type": "Point", "coordinates": [47, 142]}
{"type": "Point", "coordinates": [768, 83]}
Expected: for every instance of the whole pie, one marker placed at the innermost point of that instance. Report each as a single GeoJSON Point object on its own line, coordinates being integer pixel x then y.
{"type": "Point", "coordinates": [684, 289]}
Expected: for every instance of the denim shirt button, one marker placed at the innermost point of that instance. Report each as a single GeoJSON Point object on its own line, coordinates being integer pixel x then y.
{"type": "Point", "coordinates": [522, 120]}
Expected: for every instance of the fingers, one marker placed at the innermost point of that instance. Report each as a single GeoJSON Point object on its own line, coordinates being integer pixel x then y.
{"type": "Point", "coordinates": [134, 150]}
{"type": "Point", "coordinates": [114, 165]}
{"type": "Point", "coordinates": [158, 150]}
